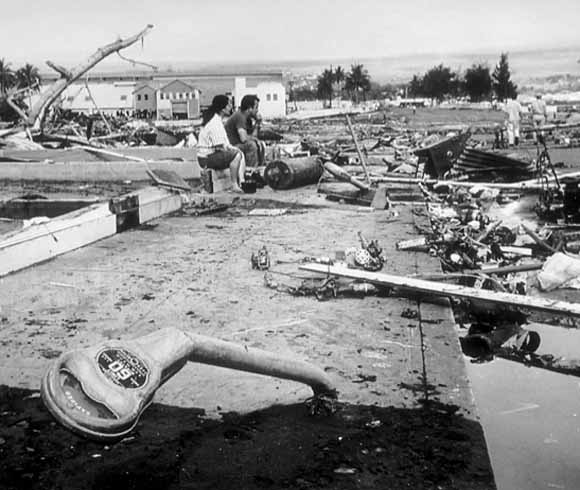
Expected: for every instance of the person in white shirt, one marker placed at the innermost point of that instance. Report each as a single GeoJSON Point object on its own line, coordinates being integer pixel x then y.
{"type": "Point", "coordinates": [213, 147]}
{"type": "Point", "coordinates": [539, 115]}
{"type": "Point", "coordinates": [514, 111]}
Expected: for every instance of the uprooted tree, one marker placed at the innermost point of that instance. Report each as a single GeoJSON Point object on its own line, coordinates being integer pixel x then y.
{"type": "Point", "coordinates": [34, 118]}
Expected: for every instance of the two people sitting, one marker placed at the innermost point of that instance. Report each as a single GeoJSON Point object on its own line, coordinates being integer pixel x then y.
{"type": "Point", "coordinates": [214, 149]}
{"type": "Point", "coordinates": [232, 145]}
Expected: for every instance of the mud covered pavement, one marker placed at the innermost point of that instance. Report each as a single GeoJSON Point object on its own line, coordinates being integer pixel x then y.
{"type": "Point", "coordinates": [405, 415]}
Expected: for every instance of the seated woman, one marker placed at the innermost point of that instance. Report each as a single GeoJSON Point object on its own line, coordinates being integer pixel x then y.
{"type": "Point", "coordinates": [213, 148]}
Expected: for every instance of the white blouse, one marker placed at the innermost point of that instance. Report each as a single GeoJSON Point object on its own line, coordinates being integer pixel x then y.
{"type": "Point", "coordinates": [212, 135]}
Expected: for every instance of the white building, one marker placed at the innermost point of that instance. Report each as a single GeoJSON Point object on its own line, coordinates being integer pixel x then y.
{"type": "Point", "coordinates": [272, 96]}
{"type": "Point", "coordinates": [108, 97]}
{"type": "Point", "coordinates": [188, 93]}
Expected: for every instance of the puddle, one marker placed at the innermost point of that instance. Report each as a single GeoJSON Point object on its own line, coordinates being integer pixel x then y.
{"type": "Point", "coordinates": [531, 417]}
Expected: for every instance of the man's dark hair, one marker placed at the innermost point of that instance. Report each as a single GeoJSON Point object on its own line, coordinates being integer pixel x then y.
{"type": "Point", "coordinates": [248, 102]}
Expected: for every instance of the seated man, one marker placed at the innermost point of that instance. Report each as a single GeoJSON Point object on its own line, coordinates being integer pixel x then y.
{"type": "Point", "coordinates": [242, 130]}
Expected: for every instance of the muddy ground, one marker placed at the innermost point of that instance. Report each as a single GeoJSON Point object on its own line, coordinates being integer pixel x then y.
{"type": "Point", "coordinates": [405, 416]}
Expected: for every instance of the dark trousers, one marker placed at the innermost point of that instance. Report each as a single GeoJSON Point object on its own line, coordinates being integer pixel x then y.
{"type": "Point", "coordinates": [218, 160]}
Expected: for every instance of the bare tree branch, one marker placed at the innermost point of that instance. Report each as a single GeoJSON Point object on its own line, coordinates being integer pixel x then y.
{"type": "Point", "coordinates": [49, 96]}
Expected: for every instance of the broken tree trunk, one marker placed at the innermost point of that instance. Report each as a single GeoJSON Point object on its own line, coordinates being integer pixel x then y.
{"type": "Point", "coordinates": [36, 116]}
{"type": "Point", "coordinates": [451, 290]}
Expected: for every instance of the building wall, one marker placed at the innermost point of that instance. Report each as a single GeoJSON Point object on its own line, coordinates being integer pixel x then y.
{"type": "Point", "coordinates": [272, 96]}
{"type": "Point", "coordinates": [209, 85]}
{"type": "Point", "coordinates": [187, 109]}
{"type": "Point", "coordinates": [109, 97]}
{"type": "Point", "coordinates": [178, 91]}
{"type": "Point", "coordinates": [145, 99]}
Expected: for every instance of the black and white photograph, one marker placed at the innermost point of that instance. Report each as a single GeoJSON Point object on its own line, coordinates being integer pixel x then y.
{"type": "Point", "coordinates": [290, 245]}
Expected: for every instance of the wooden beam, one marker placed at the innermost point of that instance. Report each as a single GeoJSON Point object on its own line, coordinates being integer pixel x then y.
{"type": "Point", "coordinates": [451, 290]}
{"type": "Point", "coordinates": [360, 155]}
{"type": "Point", "coordinates": [524, 185]}
{"type": "Point", "coordinates": [340, 174]}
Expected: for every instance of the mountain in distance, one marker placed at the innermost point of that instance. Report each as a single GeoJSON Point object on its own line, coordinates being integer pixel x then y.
{"type": "Point", "coordinates": [525, 66]}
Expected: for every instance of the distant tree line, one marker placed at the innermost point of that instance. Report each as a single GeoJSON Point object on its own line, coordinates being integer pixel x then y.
{"type": "Point", "coordinates": [13, 80]}
{"type": "Point", "coordinates": [332, 82]}
{"type": "Point", "coordinates": [478, 82]}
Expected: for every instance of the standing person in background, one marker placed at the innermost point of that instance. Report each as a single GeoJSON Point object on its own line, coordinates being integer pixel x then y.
{"type": "Point", "coordinates": [514, 111]}
{"type": "Point", "coordinates": [539, 115]}
{"type": "Point", "coordinates": [242, 129]}
{"type": "Point", "coordinates": [213, 147]}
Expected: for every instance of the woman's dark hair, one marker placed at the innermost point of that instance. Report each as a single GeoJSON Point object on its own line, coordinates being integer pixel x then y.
{"type": "Point", "coordinates": [218, 103]}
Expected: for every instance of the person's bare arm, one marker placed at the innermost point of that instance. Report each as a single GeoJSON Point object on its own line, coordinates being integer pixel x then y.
{"type": "Point", "coordinates": [243, 134]}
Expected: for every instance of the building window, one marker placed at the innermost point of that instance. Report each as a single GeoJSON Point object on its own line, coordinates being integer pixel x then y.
{"type": "Point", "coordinates": [87, 98]}
{"type": "Point", "coordinates": [180, 95]}
{"type": "Point", "coordinates": [70, 98]}
{"type": "Point", "coordinates": [268, 97]}
{"type": "Point", "coordinates": [139, 97]}
{"type": "Point", "coordinates": [123, 97]}
{"type": "Point", "coordinates": [274, 96]}
{"type": "Point", "coordinates": [146, 96]}
{"type": "Point", "coordinates": [161, 95]}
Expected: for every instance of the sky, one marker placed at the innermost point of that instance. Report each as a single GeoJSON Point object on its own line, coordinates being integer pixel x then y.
{"type": "Point", "coordinates": [66, 31]}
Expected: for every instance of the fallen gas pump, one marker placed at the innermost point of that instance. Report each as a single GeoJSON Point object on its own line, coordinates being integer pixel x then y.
{"type": "Point", "coordinates": [101, 391]}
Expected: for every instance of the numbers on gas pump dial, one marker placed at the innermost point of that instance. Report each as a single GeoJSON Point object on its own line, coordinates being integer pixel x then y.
{"type": "Point", "coordinates": [120, 370]}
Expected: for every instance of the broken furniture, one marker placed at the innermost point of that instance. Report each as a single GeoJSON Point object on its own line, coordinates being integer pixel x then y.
{"type": "Point", "coordinates": [101, 391]}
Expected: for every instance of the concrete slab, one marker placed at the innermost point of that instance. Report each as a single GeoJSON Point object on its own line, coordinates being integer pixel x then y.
{"type": "Point", "coordinates": [194, 273]}
{"type": "Point", "coordinates": [87, 171]}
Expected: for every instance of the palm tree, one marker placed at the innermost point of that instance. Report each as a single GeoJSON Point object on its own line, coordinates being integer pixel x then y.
{"type": "Point", "coordinates": [6, 76]}
{"type": "Point", "coordinates": [28, 76]}
{"type": "Point", "coordinates": [339, 77]}
{"type": "Point", "coordinates": [325, 88]}
{"type": "Point", "coordinates": [358, 80]}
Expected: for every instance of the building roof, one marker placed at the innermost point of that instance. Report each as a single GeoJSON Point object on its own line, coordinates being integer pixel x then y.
{"type": "Point", "coordinates": [178, 80]}
{"type": "Point", "coordinates": [141, 87]}
{"type": "Point", "coordinates": [132, 75]}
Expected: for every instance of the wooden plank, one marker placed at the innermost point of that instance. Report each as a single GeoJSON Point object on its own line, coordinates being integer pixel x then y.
{"type": "Point", "coordinates": [530, 184]}
{"type": "Point", "coordinates": [451, 290]}
{"type": "Point", "coordinates": [359, 153]}
{"type": "Point", "coordinates": [341, 174]}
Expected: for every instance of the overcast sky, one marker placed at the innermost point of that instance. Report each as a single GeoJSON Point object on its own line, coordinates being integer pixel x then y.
{"type": "Point", "coordinates": [220, 30]}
